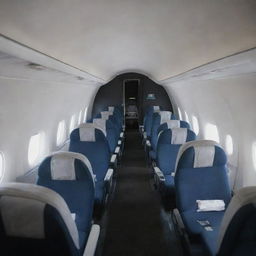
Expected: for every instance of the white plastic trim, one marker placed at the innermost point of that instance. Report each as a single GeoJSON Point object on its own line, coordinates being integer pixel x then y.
{"type": "Point", "coordinates": [92, 241]}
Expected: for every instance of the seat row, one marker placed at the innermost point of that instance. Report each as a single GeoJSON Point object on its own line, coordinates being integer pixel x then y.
{"type": "Point", "coordinates": [193, 173]}
{"type": "Point", "coordinates": [55, 217]}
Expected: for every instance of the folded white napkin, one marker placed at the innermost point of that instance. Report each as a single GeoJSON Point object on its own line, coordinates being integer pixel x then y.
{"type": "Point", "coordinates": [210, 205]}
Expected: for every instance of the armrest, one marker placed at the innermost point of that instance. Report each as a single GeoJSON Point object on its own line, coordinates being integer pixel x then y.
{"type": "Point", "coordinates": [113, 161]}
{"type": "Point", "coordinates": [123, 128]}
{"type": "Point", "coordinates": [148, 144]}
{"type": "Point", "coordinates": [117, 150]}
{"type": "Point", "coordinates": [119, 143]}
{"type": "Point", "coordinates": [145, 135]}
{"type": "Point", "coordinates": [109, 175]}
{"type": "Point", "coordinates": [159, 174]}
{"type": "Point", "coordinates": [121, 134]}
{"type": "Point", "coordinates": [108, 178]}
{"type": "Point", "coordinates": [92, 241]}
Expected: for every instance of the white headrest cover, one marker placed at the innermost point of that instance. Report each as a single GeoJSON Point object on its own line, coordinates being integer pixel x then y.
{"type": "Point", "coordinates": [156, 108]}
{"type": "Point", "coordinates": [105, 114]}
{"type": "Point", "coordinates": [87, 133]}
{"type": "Point", "coordinates": [111, 109]}
{"type": "Point", "coordinates": [195, 143]}
{"type": "Point", "coordinates": [179, 135]}
{"type": "Point", "coordinates": [22, 210]}
{"type": "Point", "coordinates": [204, 156]}
{"type": "Point", "coordinates": [164, 116]}
{"type": "Point", "coordinates": [100, 124]}
{"type": "Point", "coordinates": [242, 197]}
{"type": "Point", "coordinates": [86, 125]}
{"type": "Point", "coordinates": [63, 165]}
{"type": "Point", "coordinates": [173, 124]}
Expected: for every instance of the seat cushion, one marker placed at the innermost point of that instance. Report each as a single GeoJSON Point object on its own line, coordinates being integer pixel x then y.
{"type": "Point", "coordinates": [152, 155]}
{"type": "Point", "coordinates": [100, 192]}
{"type": "Point", "coordinates": [190, 219]}
{"type": "Point", "coordinates": [168, 186]}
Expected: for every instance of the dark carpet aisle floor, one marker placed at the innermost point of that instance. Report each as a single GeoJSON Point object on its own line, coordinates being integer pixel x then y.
{"type": "Point", "coordinates": [136, 223]}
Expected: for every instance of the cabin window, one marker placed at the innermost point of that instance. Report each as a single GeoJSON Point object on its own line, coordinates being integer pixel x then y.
{"type": "Point", "coordinates": [254, 154]}
{"type": "Point", "coordinates": [229, 144]}
{"type": "Point", "coordinates": [1, 165]}
{"type": "Point", "coordinates": [180, 115]}
{"type": "Point", "coordinates": [35, 148]}
{"type": "Point", "coordinates": [195, 125]}
{"type": "Point", "coordinates": [211, 132]}
{"type": "Point", "coordinates": [80, 117]}
{"type": "Point", "coordinates": [85, 115]}
{"type": "Point", "coordinates": [61, 133]}
{"type": "Point", "coordinates": [72, 123]}
{"type": "Point", "coordinates": [186, 116]}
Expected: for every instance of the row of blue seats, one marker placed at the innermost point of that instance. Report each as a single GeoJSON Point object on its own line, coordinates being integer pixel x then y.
{"type": "Point", "coordinates": [55, 217]}
{"type": "Point", "coordinates": [196, 172]}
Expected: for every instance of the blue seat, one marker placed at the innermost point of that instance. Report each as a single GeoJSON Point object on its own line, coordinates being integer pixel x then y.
{"type": "Point", "coordinates": [115, 119]}
{"type": "Point", "coordinates": [118, 113]}
{"type": "Point", "coordinates": [147, 120]}
{"type": "Point", "coordinates": [110, 131]}
{"type": "Point", "coordinates": [236, 233]}
{"type": "Point", "coordinates": [70, 175]}
{"type": "Point", "coordinates": [169, 124]}
{"type": "Point", "coordinates": [36, 220]}
{"type": "Point", "coordinates": [201, 174]}
{"type": "Point", "coordinates": [158, 118]}
{"type": "Point", "coordinates": [169, 143]}
{"type": "Point", "coordinates": [92, 143]}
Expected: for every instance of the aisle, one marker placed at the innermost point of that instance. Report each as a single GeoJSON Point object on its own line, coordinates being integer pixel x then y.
{"type": "Point", "coordinates": [136, 224]}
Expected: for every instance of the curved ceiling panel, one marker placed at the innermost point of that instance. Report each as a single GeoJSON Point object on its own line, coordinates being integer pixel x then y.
{"type": "Point", "coordinates": [160, 38]}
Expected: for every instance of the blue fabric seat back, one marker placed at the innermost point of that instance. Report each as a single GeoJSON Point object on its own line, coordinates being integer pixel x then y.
{"type": "Point", "coordinates": [115, 119]}
{"type": "Point", "coordinates": [110, 131]}
{"type": "Point", "coordinates": [70, 175]}
{"type": "Point", "coordinates": [159, 118]}
{"type": "Point", "coordinates": [92, 143]}
{"type": "Point", "coordinates": [35, 220]}
{"type": "Point", "coordinates": [201, 174]}
{"type": "Point", "coordinates": [147, 122]}
{"type": "Point", "coordinates": [170, 124]}
{"type": "Point", "coordinates": [118, 112]}
{"type": "Point", "coordinates": [168, 145]}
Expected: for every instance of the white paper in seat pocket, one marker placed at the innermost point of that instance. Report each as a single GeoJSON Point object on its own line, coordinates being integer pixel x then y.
{"type": "Point", "coordinates": [210, 205]}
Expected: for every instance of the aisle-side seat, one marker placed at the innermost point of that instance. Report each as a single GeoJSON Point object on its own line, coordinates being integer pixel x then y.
{"type": "Point", "coordinates": [168, 146]}
{"type": "Point", "coordinates": [92, 143]}
{"type": "Point", "coordinates": [168, 124]}
{"type": "Point", "coordinates": [158, 118]}
{"type": "Point", "coordinates": [36, 220]}
{"type": "Point", "coordinates": [236, 235]}
{"type": "Point", "coordinates": [147, 121]}
{"type": "Point", "coordinates": [70, 175]}
{"type": "Point", "coordinates": [201, 174]}
{"type": "Point", "coordinates": [111, 133]}
{"type": "Point", "coordinates": [118, 112]}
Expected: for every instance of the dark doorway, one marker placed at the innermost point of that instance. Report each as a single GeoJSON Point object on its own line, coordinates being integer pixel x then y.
{"type": "Point", "coordinates": [131, 100]}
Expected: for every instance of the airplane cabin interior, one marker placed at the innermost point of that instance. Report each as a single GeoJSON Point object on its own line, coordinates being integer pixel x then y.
{"type": "Point", "coordinates": [127, 128]}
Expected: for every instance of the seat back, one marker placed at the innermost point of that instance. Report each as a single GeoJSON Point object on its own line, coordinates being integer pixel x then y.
{"type": "Point", "coordinates": [92, 143]}
{"type": "Point", "coordinates": [169, 142]}
{"type": "Point", "coordinates": [159, 118]}
{"type": "Point", "coordinates": [70, 175]}
{"type": "Point", "coordinates": [237, 235]}
{"type": "Point", "coordinates": [110, 131]}
{"type": "Point", "coordinates": [170, 124]}
{"type": "Point", "coordinates": [201, 174]}
{"type": "Point", "coordinates": [147, 122]}
{"type": "Point", "coordinates": [35, 221]}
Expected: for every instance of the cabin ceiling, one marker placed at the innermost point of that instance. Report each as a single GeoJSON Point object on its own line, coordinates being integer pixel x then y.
{"type": "Point", "coordinates": [160, 38]}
